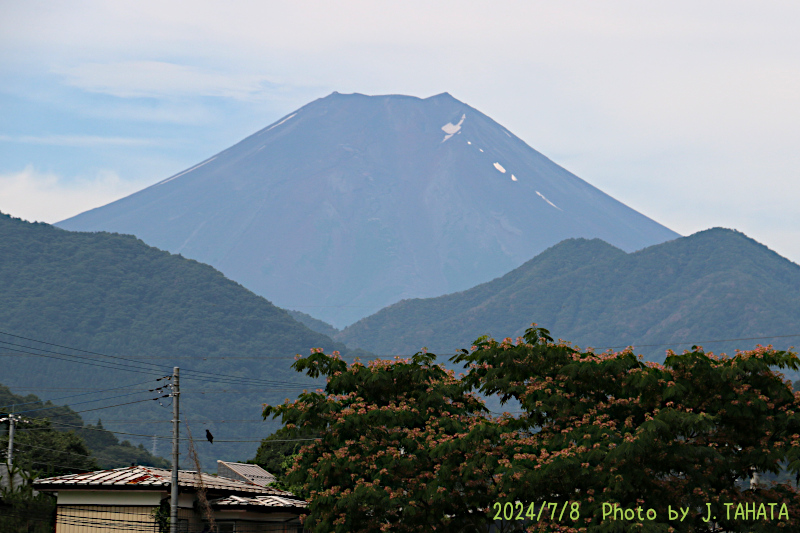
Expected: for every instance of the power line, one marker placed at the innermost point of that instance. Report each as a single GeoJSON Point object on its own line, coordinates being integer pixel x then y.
{"type": "Point", "coordinates": [210, 379]}
{"type": "Point", "coordinates": [110, 406]}
{"type": "Point", "coordinates": [60, 425]}
{"type": "Point", "coordinates": [271, 440]}
{"type": "Point", "coordinates": [90, 401]}
{"type": "Point", "coordinates": [192, 357]}
{"type": "Point", "coordinates": [154, 436]}
{"type": "Point", "coordinates": [71, 348]}
{"type": "Point", "coordinates": [63, 389]}
{"type": "Point", "coordinates": [198, 421]}
{"type": "Point", "coordinates": [122, 366]}
{"type": "Point", "coordinates": [207, 391]}
{"type": "Point", "coordinates": [73, 395]}
{"type": "Point", "coordinates": [69, 467]}
{"type": "Point", "coordinates": [270, 389]}
{"type": "Point", "coordinates": [50, 449]}
{"type": "Point", "coordinates": [120, 404]}
{"type": "Point", "coordinates": [231, 380]}
{"type": "Point", "coordinates": [80, 361]}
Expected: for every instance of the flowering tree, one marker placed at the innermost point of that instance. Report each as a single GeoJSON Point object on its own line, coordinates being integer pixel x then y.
{"type": "Point", "coordinates": [394, 450]}
{"type": "Point", "coordinates": [608, 429]}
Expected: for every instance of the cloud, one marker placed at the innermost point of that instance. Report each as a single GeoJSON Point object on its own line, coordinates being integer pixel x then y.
{"type": "Point", "coordinates": [159, 79]}
{"type": "Point", "coordinates": [47, 197]}
{"type": "Point", "coordinates": [683, 110]}
{"type": "Point", "coordinates": [82, 141]}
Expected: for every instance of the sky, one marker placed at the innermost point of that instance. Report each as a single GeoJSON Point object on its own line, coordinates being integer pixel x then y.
{"type": "Point", "coordinates": [687, 111]}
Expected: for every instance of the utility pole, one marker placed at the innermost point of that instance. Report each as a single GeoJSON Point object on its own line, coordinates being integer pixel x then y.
{"type": "Point", "coordinates": [10, 455]}
{"type": "Point", "coordinates": [176, 427]}
{"type": "Point", "coordinates": [11, 424]}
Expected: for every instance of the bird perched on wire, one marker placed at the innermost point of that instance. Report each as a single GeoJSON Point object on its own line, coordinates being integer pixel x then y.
{"type": "Point", "coordinates": [210, 437]}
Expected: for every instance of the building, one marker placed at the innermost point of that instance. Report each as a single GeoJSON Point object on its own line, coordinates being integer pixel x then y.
{"type": "Point", "coordinates": [245, 472]}
{"type": "Point", "coordinates": [136, 499]}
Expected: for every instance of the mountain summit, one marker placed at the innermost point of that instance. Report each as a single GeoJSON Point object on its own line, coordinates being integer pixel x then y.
{"type": "Point", "coordinates": [354, 202]}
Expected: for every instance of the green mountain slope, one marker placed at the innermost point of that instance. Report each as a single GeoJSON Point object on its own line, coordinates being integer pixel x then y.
{"type": "Point", "coordinates": [715, 284]}
{"type": "Point", "coordinates": [112, 294]}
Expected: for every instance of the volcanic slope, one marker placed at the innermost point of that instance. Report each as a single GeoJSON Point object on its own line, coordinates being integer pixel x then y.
{"type": "Point", "coordinates": [114, 295]}
{"type": "Point", "coordinates": [354, 202]}
{"type": "Point", "coordinates": [716, 284]}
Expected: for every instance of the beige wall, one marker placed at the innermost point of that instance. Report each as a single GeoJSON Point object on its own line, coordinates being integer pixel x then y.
{"type": "Point", "coordinates": [138, 519]}
{"type": "Point", "coordinates": [91, 518]}
{"type": "Point", "coordinates": [109, 497]}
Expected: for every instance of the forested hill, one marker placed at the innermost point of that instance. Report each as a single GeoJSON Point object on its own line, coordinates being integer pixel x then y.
{"type": "Point", "coordinates": [715, 284]}
{"type": "Point", "coordinates": [38, 446]}
{"type": "Point", "coordinates": [112, 294]}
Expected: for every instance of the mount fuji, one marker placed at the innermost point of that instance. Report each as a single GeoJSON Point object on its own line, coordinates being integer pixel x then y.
{"type": "Point", "coordinates": [354, 202]}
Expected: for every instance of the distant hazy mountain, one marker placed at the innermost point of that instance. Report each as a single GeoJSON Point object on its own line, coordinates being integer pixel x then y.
{"type": "Point", "coordinates": [114, 295]}
{"type": "Point", "coordinates": [354, 202]}
{"type": "Point", "coordinates": [716, 284]}
{"type": "Point", "coordinates": [314, 324]}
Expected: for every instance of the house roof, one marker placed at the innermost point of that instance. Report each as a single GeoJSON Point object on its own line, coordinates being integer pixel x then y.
{"type": "Point", "coordinates": [145, 477]}
{"type": "Point", "coordinates": [246, 472]}
{"type": "Point", "coordinates": [263, 501]}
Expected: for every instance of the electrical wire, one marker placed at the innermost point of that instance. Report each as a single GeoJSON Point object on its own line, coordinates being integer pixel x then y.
{"type": "Point", "coordinates": [184, 390]}
{"type": "Point", "coordinates": [161, 367]}
{"type": "Point", "coordinates": [165, 437]}
{"type": "Point", "coordinates": [89, 401]}
{"type": "Point", "coordinates": [192, 357]}
{"type": "Point", "coordinates": [59, 425]}
{"type": "Point", "coordinates": [70, 467]}
{"type": "Point", "coordinates": [92, 363]}
{"type": "Point", "coordinates": [120, 404]}
{"type": "Point", "coordinates": [283, 357]}
{"type": "Point", "coordinates": [198, 421]}
{"type": "Point", "coordinates": [50, 449]}
{"type": "Point", "coordinates": [116, 405]}
{"type": "Point", "coordinates": [74, 349]}
{"type": "Point", "coordinates": [74, 395]}
{"type": "Point", "coordinates": [212, 378]}
{"type": "Point", "coordinates": [59, 389]}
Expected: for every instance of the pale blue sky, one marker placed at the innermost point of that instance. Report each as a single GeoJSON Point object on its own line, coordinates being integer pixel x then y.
{"type": "Point", "coordinates": [688, 111]}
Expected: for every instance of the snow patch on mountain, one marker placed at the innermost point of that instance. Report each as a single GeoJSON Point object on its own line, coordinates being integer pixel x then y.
{"type": "Point", "coordinates": [451, 129]}
{"type": "Point", "coordinates": [548, 201]}
{"type": "Point", "coordinates": [499, 167]}
{"type": "Point", "coordinates": [513, 177]}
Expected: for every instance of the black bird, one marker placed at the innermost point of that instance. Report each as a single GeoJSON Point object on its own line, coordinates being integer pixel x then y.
{"type": "Point", "coordinates": [210, 437]}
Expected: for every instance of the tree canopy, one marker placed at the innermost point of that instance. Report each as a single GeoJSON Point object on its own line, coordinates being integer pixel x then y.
{"type": "Point", "coordinates": [611, 429]}
{"type": "Point", "coordinates": [385, 459]}
{"type": "Point", "coordinates": [604, 442]}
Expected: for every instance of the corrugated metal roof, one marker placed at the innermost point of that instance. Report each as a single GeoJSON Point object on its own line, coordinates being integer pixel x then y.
{"type": "Point", "coordinates": [253, 473]}
{"type": "Point", "coordinates": [142, 477]}
{"type": "Point", "coordinates": [260, 501]}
